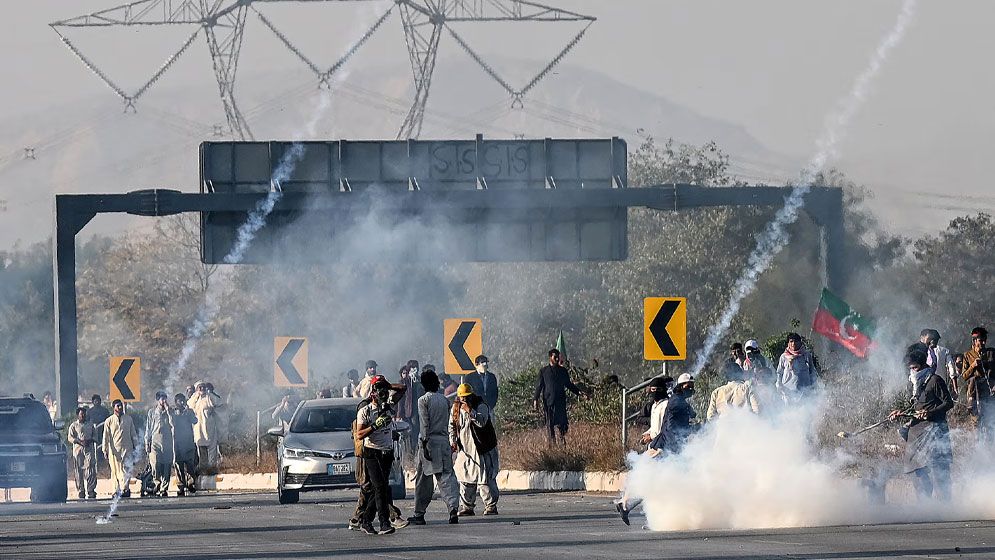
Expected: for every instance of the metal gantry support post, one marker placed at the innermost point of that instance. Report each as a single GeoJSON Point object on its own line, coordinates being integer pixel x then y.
{"type": "Point", "coordinates": [68, 222]}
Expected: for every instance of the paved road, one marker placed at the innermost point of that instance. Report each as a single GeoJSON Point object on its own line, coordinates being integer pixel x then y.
{"type": "Point", "coordinates": [564, 525]}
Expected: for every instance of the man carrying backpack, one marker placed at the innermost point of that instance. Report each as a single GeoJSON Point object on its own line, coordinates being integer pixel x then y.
{"type": "Point", "coordinates": [472, 435]}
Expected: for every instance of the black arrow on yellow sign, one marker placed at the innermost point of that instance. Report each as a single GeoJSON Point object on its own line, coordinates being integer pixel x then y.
{"type": "Point", "coordinates": [121, 379]}
{"type": "Point", "coordinates": [659, 327]}
{"type": "Point", "coordinates": [286, 361]}
{"type": "Point", "coordinates": [664, 328]}
{"type": "Point", "coordinates": [457, 345]}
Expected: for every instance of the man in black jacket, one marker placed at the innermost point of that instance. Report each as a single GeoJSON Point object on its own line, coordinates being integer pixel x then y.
{"type": "Point", "coordinates": [484, 383]}
{"type": "Point", "coordinates": [928, 453]}
{"type": "Point", "coordinates": [554, 380]}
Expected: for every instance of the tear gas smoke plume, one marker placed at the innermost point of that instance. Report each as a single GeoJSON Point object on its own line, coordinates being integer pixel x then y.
{"type": "Point", "coordinates": [245, 235]}
{"type": "Point", "coordinates": [748, 472]}
{"type": "Point", "coordinates": [775, 235]}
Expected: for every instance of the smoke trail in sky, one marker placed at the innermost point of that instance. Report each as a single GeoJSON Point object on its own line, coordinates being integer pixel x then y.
{"type": "Point", "coordinates": [775, 236]}
{"type": "Point", "coordinates": [243, 239]}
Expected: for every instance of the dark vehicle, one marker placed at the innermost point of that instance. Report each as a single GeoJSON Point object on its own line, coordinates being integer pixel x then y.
{"type": "Point", "coordinates": [32, 454]}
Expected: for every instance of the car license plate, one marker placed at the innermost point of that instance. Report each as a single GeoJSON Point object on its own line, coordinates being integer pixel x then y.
{"type": "Point", "coordinates": [17, 467]}
{"type": "Point", "coordinates": [339, 468]}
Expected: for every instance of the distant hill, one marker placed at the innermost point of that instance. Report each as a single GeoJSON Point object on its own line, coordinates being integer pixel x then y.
{"type": "Point", "coordinates": [90, 145]}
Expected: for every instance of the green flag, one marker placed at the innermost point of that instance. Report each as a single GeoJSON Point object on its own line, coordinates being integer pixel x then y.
{"type": "Point", "coordinates": [561, 345]}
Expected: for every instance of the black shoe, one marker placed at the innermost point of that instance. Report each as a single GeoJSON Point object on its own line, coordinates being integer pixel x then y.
{"type": "Point", "coordinates": [490, 511]}
{"type": "Point", "coordinates": [453, 517]}
{"type": "Point", "coordinates": [368, 529]}
{"type": "Point", "coordinates": [354, 525]}
{"type": "Point", "coordinates": [417, 520]}
{"type": "Point", "coordinates": [91, 497]}
{"type": "Point", "coordinates": [165, 494]}
{"type": "Point", "coordinates": [466, 513]}
{"type": "Point", "coordinates": [387, 528]}
{"type": "Point", "coordinates": [81, 497]}
{"type": "Point", "coordinates": [624, 513]}
{"type": "Point", "coordinates": [126, 494]}
{"type": "Point", "coordinates": [180, 492]}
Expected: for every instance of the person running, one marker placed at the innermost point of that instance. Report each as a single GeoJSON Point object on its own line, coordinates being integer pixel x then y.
{"type": "Point", "coordinates": [673, 434]}
{"type": "Point", "coordinates": [659, 391]}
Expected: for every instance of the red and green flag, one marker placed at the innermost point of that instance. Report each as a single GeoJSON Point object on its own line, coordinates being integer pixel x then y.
{"type": "Point", "coordinates": [836, 321]}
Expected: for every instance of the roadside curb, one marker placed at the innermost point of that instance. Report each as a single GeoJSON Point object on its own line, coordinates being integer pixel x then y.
{"type": "Point", "coordinates": [507, 480]}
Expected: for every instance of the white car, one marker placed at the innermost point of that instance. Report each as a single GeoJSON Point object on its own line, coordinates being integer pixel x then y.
{"type": "Point", "coordinates": [317, 452]}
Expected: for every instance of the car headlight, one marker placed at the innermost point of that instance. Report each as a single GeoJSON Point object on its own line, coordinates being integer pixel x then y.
{"type": "Point", "coordinates": [297, 453]}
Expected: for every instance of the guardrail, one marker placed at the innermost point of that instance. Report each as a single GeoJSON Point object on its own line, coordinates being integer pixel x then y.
{"type": "Point", "coordinates": [259, 435]}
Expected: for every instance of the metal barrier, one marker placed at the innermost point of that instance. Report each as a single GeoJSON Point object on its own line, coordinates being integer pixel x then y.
{"type": "Point", "coordinates": [626, 417]}
{"type": "Point", "coordinates": [259, 435]}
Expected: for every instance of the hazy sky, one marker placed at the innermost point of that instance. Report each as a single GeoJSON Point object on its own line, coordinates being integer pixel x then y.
{"type": "Point", "coordinates": [774, 67]}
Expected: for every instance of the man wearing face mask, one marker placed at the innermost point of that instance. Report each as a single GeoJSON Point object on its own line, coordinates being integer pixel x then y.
{"type": "Point", "coordinates": [928, 453]}
{"type": "Point", "coordinates": [659, 391]}
{"type": "Point", "coordinates": [677, 420]}
{"type": "Point", "coordinates": [374, 425]}
{"type": "Point", "coordinates": [488, 382]}
{"type": "Point", "coordinates": [673, 434]}
{"type": "Point", "coordinates": [365, 385]}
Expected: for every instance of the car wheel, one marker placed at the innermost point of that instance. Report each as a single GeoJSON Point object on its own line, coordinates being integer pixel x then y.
{"type": "Point", "coordinates": [53, 489]}
{"type": "Point", "coordinates": [289, 496]}
{"type": "Point", "coordinates": [397, 492]}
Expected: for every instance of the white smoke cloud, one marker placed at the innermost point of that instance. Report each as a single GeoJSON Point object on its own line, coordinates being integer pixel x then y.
{"type": "Point", "coordinates": [745, 471]}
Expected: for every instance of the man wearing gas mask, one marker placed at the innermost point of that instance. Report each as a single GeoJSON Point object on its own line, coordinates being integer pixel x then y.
{"type": "Point", "coordinates": [374, 426]}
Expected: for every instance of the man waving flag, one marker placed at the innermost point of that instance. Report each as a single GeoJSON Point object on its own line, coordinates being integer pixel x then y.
{"type": "Point", "coordinates": [836, 321]}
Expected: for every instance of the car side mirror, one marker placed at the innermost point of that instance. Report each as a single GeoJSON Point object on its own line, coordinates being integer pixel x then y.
{"type": "Point", "coordinates": [59, 424]}
{"type": "Point", "coordinates": [277, 431]}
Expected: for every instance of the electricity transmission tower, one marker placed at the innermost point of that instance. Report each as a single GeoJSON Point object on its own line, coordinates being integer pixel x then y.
{"type": "Point", "coordinates": [223, 22]}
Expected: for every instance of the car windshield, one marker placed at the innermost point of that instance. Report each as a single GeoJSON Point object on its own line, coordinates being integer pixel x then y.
{"type": "Point", "coordinates": [24, 418]}
{"type": "Point", "coordinates": [313, 420]}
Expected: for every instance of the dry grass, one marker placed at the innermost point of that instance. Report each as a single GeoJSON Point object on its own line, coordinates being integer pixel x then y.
{"type": "Point", "coordinates": [590, 447]}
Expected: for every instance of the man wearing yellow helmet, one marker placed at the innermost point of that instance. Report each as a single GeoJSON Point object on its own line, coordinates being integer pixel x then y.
{"type": "Point", "coordinates": [472, 435]}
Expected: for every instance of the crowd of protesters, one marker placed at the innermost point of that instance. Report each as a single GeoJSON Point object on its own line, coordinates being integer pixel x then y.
{"type": "Point", "coordinates": [178, 441]}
